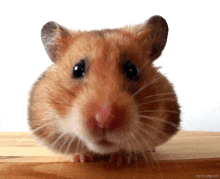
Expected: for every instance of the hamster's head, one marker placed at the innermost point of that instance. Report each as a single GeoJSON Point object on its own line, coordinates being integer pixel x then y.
{"type": "Point", "coordinates": [102, 93]}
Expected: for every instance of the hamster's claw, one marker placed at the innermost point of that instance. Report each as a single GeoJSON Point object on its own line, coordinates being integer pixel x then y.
{"type": "Point", "coordinates": [119, 158]}
{"type": "Point", "coordinates": [82, 158]}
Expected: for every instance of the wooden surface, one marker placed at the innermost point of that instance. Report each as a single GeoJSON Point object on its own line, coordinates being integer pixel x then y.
{"type": "Point", "coordinates": [186, 155]}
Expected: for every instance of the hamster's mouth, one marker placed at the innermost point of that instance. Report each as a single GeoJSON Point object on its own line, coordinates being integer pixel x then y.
{"type": "Point", "coordinates": [105, 143]}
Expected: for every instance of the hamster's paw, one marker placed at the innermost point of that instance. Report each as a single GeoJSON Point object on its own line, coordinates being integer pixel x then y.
{"type": "Point", "coordinates": [121, 158]}
{"type": "Point", "coordinates": [125, 158]}
{"type": "Point", "coordinates": [82, 158]}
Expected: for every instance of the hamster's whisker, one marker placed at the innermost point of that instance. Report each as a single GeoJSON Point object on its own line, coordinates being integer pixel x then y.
{"type": "Point", "coordinates": [78, 144]}
{"type": "Point", "coordinates": [150, 111]}
{"type": "Point", "coordinates": [54, 143]}
{"type": "Point", "coordinates": [48, 136]}
{"type": "Point", "coordinates": [151, 152]}
{"type": "Point", "coordinates": [129, 148]}
{"type": "Point", "coordinates": [67, 138]}
{"type": "Point", "coordinates": [154, 128]}
{"type": "Point", "coordinates": [138, 143]}
{"type": "Point", "coordinates": [147, 85]}
{"type": "Point", "coordinates": [158, 156]}
{"type": "Point", "coordinates": [40, 127]}
{"type": "Point", "coordinates": [152, 118]}
{"type": "Point", "coordinates": [145, 131]}
{"type": "Point", "coordinates": [146, 145]}
{"type": "Point", "coordinates": [134, 151]}
{"type": "Point", "coordinates": [32, 132]}
{"type": "Point", "coordinates": [68, 146]}
{"type": "Point", "coordinates": [43, 139]}
{"type": "Point", "coordinates": [159, 94]}
{"type": "Point", "coordinates": [158, 100]}
{"type": "Point", "coordinates": [81, 146]}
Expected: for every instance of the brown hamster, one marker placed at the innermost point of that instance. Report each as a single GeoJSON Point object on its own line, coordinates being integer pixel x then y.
{"type": "Point", "coordinates": [102, 95]}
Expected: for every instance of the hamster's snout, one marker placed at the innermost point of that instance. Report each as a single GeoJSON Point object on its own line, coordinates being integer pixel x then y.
{"type": "Point", "coordinates": [107, 117]}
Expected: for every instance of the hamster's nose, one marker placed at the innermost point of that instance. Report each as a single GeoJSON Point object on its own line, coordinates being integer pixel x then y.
{"type": "Point", "coordinates": [107, 117]}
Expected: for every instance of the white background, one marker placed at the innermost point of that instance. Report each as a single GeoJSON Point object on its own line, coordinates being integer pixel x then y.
{"type": "Point", "coordinates": [191, 58]}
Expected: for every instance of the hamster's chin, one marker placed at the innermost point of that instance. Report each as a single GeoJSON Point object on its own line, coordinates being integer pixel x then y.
{"type": "Point", "coordinates": [103, 146]}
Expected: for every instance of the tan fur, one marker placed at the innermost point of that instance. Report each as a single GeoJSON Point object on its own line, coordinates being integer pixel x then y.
{"type": "Point", "coordinates": [56, 94]}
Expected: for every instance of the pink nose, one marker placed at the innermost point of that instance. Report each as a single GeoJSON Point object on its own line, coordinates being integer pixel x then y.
{"type": "Point", "coordinates": [108, 117]}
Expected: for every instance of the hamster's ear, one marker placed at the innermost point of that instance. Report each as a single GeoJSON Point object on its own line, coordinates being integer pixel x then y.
{"type": "Point", "coordinates": [54, 38]}
{"type": "Point", "coordinates": [153, 36]}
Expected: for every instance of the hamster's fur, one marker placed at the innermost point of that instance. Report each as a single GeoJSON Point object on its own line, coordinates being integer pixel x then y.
{"type": "Point", "coordinates": [102, 94]}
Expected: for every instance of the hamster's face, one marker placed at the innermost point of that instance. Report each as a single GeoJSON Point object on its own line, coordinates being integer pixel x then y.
{"type": "Point", "coordinates": [102, 93]}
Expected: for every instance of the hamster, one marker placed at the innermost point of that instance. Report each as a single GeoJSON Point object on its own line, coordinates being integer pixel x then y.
{"type": "Point", "coordinates": [102, 96]}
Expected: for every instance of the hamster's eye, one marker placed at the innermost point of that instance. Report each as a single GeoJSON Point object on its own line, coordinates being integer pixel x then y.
{"type": "Point", "coordinates": [79, 69]}
{"type": "Point", "coordinates": [131, 70]}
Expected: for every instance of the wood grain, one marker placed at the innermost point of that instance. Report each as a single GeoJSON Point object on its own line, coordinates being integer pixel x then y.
{"type": "Point", "coordinates": [186, 155]}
